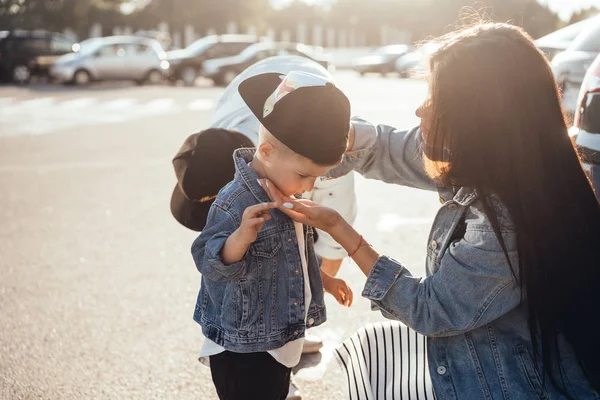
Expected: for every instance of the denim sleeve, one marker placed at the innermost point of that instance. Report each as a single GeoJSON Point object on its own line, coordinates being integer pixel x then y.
{"type": "Point", "coordinates": [206, 249]}
{"type": "Point", "coordinates": [473, 286]}
{"type": "Point", "coordinates": [386, 154]}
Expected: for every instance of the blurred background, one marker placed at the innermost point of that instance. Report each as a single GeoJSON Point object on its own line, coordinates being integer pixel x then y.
{"type": "Point", "coordinates": [97, 284]}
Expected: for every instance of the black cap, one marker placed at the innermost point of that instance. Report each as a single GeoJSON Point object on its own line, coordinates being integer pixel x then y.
{"type": "Point", "coordinates": [203, 166]}
{"type": "Point", "coordinates": [306, 112]}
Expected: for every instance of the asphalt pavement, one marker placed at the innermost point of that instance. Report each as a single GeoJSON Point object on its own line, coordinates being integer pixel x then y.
{"type": "Point", "coordinates": [98, 286]}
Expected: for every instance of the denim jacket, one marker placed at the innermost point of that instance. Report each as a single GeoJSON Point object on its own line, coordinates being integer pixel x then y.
{"type": "Point", "coordinates": [470, 305]}
{"type": "Point", "coordinates": [256, 304]}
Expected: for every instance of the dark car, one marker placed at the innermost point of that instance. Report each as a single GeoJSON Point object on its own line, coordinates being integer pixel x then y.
{"type": "Point", "coordinates": [586, 129]}
{"type": "Point", "coordinates": [186, 64]}
{"type": "Point", "coordinates": [381, 61]}
{"type": "Point", "coordinates": [24, 54]}
{"type": "Point", "coordinates": [224, 70]}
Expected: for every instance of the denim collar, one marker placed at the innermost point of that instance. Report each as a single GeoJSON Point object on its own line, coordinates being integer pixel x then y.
{"type": "Point", "coordinates": [247, 175]}
{"type": "Point", "coordinates": [464, 196]}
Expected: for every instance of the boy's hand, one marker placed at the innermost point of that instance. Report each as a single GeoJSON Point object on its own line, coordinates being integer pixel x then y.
{"type": "Point", "coordinates": [340, 290]}
{"type": "Point", "coordinates": [253, 220]}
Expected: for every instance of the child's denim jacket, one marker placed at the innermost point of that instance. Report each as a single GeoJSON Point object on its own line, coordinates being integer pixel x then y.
{"type": "Point", "coordinates": [256, 304]}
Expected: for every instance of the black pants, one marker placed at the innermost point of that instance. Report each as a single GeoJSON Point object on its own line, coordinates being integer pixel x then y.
{"type": "Point", "coordinates": [251, 376]}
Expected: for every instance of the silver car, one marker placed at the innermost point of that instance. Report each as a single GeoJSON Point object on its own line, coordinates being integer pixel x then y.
{"type": "Point", "coordinates": [570, 66]}
{"type": "Point", "coordinates": [113, 58]}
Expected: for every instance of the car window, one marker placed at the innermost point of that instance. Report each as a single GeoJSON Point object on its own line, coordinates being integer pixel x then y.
{"type": "Point", "coordinates": [220, 50]}
{"type": "Point", "coordinates": [588, 40]}
{"type": "Point", "coordinates": [61, 46]}
{"type": "Point", "coordinates": [35, 46]}
{"type": "Point", "coordinates": [139, 49]}
{"type": "Point", "coordinates": [112, 50]}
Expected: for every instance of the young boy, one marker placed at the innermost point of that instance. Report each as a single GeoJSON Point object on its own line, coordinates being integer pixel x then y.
{"type": "Point", "coordinates": [261, 282]}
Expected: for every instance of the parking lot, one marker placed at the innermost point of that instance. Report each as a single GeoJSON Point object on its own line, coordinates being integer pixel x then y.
{"type": "Point", "coordinates": [98, 286]}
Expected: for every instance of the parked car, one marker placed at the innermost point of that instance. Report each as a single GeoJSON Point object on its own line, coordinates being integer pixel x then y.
{"type": "Point", "coordinates": [570, 66]}
{"type": "Point", "coordinates": [164, 38]}
{"type": "Point", "coordinates": [413, 63]}
{"type": "Point", "coordinates": [24, 54]}
{"type": "Point", "coordinates": [113, 58]}
{"type": "Point", "coordinates": [557, 41]}
{"type": "Point", "coordinates": [187, 64]}
{"type": "Point", "coordinates": [381, 61]}
{"type": "Point", "coordinates": [224, 70]}
{"type": "Point", "coordinates": [586, 128]}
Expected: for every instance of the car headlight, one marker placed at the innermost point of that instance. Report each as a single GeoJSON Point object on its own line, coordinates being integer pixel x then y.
{"type": "Point", "coordinates": [164, 64]}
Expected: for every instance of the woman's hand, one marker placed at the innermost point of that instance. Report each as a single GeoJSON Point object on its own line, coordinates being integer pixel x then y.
{"type": "Point", "coordinates": [302, 210]}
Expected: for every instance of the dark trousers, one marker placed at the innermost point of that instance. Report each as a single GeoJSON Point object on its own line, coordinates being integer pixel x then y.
{"type": "Point", "coordinates": [251, 376]}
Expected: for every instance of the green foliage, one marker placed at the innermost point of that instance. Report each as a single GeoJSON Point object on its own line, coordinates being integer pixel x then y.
{"type": "Point", "coordinates": [421, 18]}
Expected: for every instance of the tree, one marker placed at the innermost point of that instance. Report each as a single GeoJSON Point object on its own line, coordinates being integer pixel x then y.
{"type": "Point", "coordinates": [583, 14]}
{"type": "Point", "coordinates": [54, 15]}
{"type": "Point", "coordinates": [203, 14]}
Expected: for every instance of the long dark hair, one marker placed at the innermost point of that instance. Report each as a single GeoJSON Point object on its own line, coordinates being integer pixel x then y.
{"type": "Point", "coordinates": [499, 128]}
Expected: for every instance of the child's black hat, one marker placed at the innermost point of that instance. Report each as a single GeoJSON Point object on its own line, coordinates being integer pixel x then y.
{"type": "Point", "coordinates": [306, 112]}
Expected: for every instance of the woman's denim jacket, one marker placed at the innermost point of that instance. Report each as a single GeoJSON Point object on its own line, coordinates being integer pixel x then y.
{"type": "Point", "coordinates": [256, 304]}
{"type": "Point", "coordinates": [469, 305]}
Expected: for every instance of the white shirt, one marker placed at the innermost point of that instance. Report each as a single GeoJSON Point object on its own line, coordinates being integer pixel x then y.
{"type": "Point", "coordinates": [289, 354]}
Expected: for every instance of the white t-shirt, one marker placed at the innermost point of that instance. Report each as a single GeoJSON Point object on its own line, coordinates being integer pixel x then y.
{"type": "Point", "coordinates": [289, 354]}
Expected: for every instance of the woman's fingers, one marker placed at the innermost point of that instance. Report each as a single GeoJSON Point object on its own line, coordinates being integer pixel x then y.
{"type": "Point", "coordinates": [299, 206]}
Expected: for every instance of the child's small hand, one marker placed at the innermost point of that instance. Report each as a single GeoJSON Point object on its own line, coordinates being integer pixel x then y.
{"type": "Point", "coordinates": [253, 220]}
{"type": "Point", "coordinates": [339, 289]}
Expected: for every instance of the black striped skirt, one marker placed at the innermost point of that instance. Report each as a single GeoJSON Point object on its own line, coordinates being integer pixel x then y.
{"type": "Point", "coordinates": [386, 361]}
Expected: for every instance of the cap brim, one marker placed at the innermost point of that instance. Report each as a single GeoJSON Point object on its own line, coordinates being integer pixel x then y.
{"type": "Point", "coordinates": [256, 89]}
{"type": "Point", "coordinates": [189, 213]}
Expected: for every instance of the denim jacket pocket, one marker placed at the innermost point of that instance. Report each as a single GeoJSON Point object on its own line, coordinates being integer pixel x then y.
{"type": "Point", "coordinates": [530, 372]}
{"type": "Point", "coordinates": [266, 247]}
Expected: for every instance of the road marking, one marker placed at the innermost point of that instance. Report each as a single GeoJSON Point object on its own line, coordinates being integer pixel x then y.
{"type": "Point", "coordinates": [120, 104]}
{"type": "Point", "coordinates": [158, 105]}
{"type": "Point", "coordinates": [201, 105]}
{"type": "Point", "coordinates": [78, 103]}
{"type": "Point", "coordinates": [389, 222]}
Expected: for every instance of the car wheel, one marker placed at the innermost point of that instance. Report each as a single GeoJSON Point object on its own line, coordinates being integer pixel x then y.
{"type": "Point", "coordinates": [228, 77]}
{"type": "Point", "coordinates": [82, 77]}
{"type": "Point", "coordinates": [189, 76]}
{"type": "Point", "coordinates": [154, 77]}
{"type": "Point", "coordinates": [21, 74]}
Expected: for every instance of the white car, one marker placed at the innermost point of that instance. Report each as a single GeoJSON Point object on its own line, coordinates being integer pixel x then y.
{"type": "Point", "coordinates": [113, 58]}
{"type": "Point", "coordinates": [569, 66]}
{"type": "Point", "coordinates": [586, 129]}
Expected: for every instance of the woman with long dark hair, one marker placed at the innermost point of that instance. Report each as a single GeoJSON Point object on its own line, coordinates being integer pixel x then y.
{"type": "Point", "coordinates": [509, 306]}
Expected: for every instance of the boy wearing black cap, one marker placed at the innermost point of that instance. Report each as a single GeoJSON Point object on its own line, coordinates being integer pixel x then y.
{"type": "Point", "coordinates": [261, 279]}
